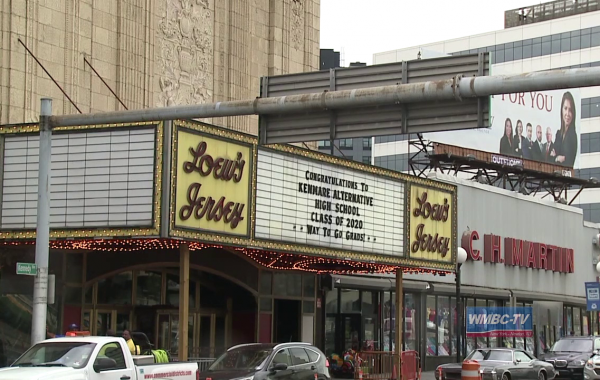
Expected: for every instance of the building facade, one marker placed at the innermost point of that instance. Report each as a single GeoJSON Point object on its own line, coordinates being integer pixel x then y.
{"type": "Point", "coordinates": [359, 311]}
{"type": "Point", "coordinates": [570, 41]}
{"type": "Point", "coordinates": [151, 53]}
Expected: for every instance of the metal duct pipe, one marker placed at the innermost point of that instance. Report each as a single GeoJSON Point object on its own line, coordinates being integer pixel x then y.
{"type": "Point", "coordinates": [448, 89]}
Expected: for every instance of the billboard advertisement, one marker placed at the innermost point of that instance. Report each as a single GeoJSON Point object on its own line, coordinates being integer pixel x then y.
{"type": "Point", "coordinates": [500, 322]}
{"type": "Point", "coordinates": [542, 126]}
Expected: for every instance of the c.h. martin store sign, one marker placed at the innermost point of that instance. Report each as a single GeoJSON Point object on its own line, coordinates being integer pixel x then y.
{"type": "Point", "coordinates": [283, 206]}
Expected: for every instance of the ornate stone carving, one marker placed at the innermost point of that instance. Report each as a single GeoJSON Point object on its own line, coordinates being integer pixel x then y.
{"type": "Point", "coordinates": [185, 35]}
{"type": "Point", "coordinates": [297, 21]}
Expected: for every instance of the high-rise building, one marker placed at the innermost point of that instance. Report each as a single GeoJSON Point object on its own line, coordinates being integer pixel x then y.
{"type": "Point", "coordinates": [557, 35]}
{"type": "Point", "coordinates": [151, 53]}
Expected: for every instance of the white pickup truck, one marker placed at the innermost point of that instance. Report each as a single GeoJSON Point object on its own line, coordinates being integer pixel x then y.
{"type": "Point", "coordinates": [92, 358]}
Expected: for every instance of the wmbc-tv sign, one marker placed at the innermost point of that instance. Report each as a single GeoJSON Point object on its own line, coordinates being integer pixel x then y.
{"type": "Point", "coordinates": [500, 322]}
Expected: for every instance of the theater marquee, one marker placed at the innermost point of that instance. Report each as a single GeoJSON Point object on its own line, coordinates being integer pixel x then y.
{"type": "Point", "coordinates": [432, 224]}
{"type": "Point", "coordinates": [304, 201]}
{"type": "Point", "coordinates": [212, 183]}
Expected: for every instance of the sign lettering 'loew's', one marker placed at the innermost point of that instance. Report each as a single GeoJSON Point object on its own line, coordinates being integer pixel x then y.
{"type": "Point", "coordinates": [213, 182]}
{"type": "Point", "coordinates": [430, 224]}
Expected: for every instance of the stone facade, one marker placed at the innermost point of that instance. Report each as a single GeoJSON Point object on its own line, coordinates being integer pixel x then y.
{"type": "Point", "coordinates": [152, 53]}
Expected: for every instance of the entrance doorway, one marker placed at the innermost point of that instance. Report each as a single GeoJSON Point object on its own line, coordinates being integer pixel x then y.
{"type": "Point", "coordinates": [287, 321]}
{"type": "Point", "coordinates": [207, 332]}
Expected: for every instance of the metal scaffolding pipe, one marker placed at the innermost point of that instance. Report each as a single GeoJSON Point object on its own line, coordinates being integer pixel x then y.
{"type": "Point", "coordinates": [448, 89]}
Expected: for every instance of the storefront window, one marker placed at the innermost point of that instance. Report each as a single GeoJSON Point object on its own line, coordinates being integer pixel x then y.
{"type": "Point", "coordinates": [453, 324]}
{"type": "Point", "coordinates": [309, 285]}
{"type": "Point", "coordinates": [470, 342]}
{"type": "Point", "coordinates": [332, 301]}
{"type": "Point", "coordinates": [115, 290]}
{"type": "Point", "coordinates": [481, 341]}
{"type": "Point", "coordinates": [577, 321]}
{"type": "Point", "coordinates": [287, 284]}
{"type": "Point", "coordinates": [350, 301]}
{"type": "Point", "coordinates": [432, 328]}
{"type": "Point", "coordinates": [585, 323]}
{"type": "Point", "coordinates": [493, 341]}
{"type": "Point", "coordinates": [148, 288]}
{"type": "Point", "coordinates": [410, 322]}
{"type": "Point", "coordinates": [529, 346]}
{"type": "Point", "coordinates": [569, 321]}
{"type": "Point", "coordinates": [172, 289]}
{"type": "Point", "coordinates": [443, 322]}
{"type": "Point", "coordinates": [388, 324]}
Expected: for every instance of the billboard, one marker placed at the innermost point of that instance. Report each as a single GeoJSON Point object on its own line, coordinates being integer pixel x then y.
{"type": "Point", "coordinates": [500, 322]}
{"type": "Point", "coordinates": [542, 126]}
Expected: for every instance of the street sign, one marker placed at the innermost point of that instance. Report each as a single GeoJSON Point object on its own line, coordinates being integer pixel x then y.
{"type": "Point", "coordinates": [28, 269]}
{"type": "Point", "coordinates": [592, 296]}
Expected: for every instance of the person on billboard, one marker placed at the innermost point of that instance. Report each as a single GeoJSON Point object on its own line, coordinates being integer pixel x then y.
{"type": "Point", "coordinates": [506, 142]}
{"type": "Point", "coordinates": [538, 145]}
{"type": "Point", "coordinates": [519, 140]}
{"type": "Point", "coordinates": [549, 151]}
{"type": "Point", "coordinates": [565, 142]}
{"type": "Point", "coordinates": [528, 145]}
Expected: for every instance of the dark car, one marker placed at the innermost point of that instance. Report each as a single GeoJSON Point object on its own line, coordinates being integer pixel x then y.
{"type": "Point", "coordinates": [501, 364]}
{"type": "Point", "coordinates": [258, 361]}
{"type": "Point", "coordinates": [570, 354]}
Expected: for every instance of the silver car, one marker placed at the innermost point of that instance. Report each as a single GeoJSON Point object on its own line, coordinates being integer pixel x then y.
{"type": "Point", "coordinates": [591, 371]}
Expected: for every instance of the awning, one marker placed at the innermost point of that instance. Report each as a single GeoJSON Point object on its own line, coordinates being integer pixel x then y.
{"type": "Point", "coordinates": [389, 283]}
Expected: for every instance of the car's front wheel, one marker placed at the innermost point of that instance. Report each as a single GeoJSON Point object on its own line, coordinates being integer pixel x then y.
{"type": "Point", "coordinates": [542, 375]}
{"type": "Point", "coordinates": [505, 376]}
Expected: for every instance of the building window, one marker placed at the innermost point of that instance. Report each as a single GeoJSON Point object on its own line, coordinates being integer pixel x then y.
{"type": "Point", "coordinates": [346, 143]}
{"type": "Point", "coordinates": [366, 160]}
{"type": "Point", "coordinates": [367, 143]}
{"type": "Point", "coordinates": [324, 143]}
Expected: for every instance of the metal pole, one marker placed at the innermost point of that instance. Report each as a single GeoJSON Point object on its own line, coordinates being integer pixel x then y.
{"type": "Point", "coordinates": [399, 322]}
{"type": "Point", "coordinates": [40, 286]}
{"type": "Point", "coordinates": [449, 89]}
{"type": "Point", "coordinates": [458, 316]}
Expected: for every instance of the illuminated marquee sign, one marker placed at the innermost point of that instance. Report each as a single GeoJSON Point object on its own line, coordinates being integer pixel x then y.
{"type": "Point", "coordinates": [431, 221]}
{"type": "Point", "coordinates": [519, 253]}
{"type": "Point", "coordinates": [311, 202]}
{"type": "Point", "coordinates": [212, 184]}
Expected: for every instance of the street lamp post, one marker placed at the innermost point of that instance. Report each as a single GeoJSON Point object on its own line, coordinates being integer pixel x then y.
{"type": "Point", "coordinates": [461, 257]}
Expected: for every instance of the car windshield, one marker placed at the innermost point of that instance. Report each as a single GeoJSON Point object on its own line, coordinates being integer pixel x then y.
{"type": "Point", "coordinates": [242, 358]}
{"type": "Point", "coordinates": [56, 354]}
{"type": "Point", "coordinates": [573, 345]}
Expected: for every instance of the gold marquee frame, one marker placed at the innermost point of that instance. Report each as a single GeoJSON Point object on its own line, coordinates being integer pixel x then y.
{"type": "Point", "coordinates": [303, 252]}
{"type": "Point", "coordinates": [101, 232]}
{"type": "Point", "coordinates": [312, 251]}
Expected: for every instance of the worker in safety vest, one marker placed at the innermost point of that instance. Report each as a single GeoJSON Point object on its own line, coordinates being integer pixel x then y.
{"type": "Point", "coordinates": [135, 349]}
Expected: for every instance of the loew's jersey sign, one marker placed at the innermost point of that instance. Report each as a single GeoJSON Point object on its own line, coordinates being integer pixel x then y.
{"type": "Point", "coordinates": [502, 322]}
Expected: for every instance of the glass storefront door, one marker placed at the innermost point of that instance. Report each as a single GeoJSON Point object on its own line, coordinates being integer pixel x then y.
{"type": "Point", "coordinates": [207, 333]}
{"type": "Point", "coordinates": [99, 321]}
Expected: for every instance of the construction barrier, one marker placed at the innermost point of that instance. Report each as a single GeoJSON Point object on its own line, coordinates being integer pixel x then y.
{"type": "Point", "coordinates": [470, 370]}
{"type": "Point", "coordinates": [381, 365]}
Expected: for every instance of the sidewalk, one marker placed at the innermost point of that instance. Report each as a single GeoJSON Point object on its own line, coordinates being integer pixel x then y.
{"type": "Point", "coordinates": [429, 375]}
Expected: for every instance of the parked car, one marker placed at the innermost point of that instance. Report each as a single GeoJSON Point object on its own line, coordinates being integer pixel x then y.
{"type": "Point", "coordinates": [91, 358]}
{"type": "Point", "coordinates": [570, 354]}
{"type": "Point", "coordinates": [501, 364]}
{"type": "Point", "coordinates": [258, 361]}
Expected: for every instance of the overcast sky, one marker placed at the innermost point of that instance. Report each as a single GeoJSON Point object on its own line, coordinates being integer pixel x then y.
{"type": "Point", "coordinates": [359, 28]}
